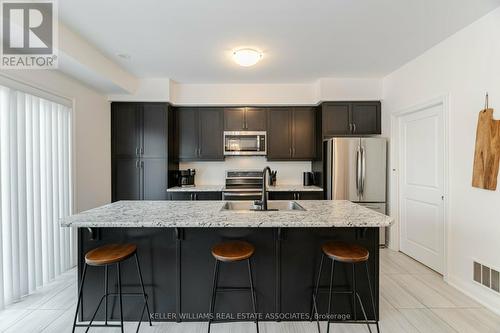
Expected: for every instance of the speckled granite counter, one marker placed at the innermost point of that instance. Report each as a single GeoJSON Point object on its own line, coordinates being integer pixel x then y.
{"type": "Point", "coordinates": [293, 188]}
{"type": "Point", "coordinates": [219, 188]}
{"type": "Point", "coordinates": [208, 214]}
{"type": "Point", "coordinates": [197, 188]}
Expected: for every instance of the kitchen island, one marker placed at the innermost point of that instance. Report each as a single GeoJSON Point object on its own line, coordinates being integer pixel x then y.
{"type": "Point", "coordinates": [174, 239]}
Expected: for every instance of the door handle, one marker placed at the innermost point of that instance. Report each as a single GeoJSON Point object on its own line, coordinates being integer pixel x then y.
{"type": "Point", "coordinates": [363, 171]}
{"type": "Point", "coordinates": [358, 170]}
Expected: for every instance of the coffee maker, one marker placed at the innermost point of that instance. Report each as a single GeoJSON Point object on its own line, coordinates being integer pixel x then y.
{"type": "Point", "coordinates": [308, 179]}
{"type": "Point", "coordinates": [186, 177]}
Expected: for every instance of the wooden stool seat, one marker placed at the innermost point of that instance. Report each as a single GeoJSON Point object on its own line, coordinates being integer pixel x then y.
{"type": "Point", "coordinates": [233, 251]}
{"type": "Point", "coordinates": [345, 252]}
{"type": "Point", "coordinates": [110, 254]}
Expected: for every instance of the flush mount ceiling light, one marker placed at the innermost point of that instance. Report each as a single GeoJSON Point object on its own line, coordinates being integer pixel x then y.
{"type": "Point", "coordinates": [247, 57]}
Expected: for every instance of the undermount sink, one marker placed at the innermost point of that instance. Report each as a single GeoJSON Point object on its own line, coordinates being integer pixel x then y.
{"type": "Point", "coordinates": [271, 206]}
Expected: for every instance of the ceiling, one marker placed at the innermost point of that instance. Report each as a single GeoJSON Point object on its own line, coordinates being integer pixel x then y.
{"type": "Point", "coordinates": [190, 41]}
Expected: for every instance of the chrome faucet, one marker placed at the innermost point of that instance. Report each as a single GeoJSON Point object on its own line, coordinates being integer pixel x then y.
{"type": "Point", "coordinates": [262, 203]}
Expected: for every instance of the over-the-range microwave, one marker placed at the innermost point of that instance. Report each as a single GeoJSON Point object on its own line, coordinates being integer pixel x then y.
{"type": "Point", "coordinates": [245, 143]}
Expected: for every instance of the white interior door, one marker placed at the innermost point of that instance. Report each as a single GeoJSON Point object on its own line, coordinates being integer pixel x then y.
{"type": "Point", "coordinates": [421, 185]}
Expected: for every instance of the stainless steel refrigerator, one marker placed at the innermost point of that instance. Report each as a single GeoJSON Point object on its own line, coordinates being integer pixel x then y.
{"type": "Point", "coordinates": [356, 170]}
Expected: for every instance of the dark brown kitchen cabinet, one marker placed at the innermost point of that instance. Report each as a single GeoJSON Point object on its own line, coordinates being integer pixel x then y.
{"type": "Point", "coordinates": [351, 118]}
{"type": "Point", "coordinates": [366, 118]}
{"type": "Point", "coordinates": [245, 119]}
{"type": "Point", "coordinates": [279, 145]}
{"type": "Point", "coordinates": [200, 134]}
{"type": "Point", "coordinates": [192, 196]}
{"type": "Point", "coordinates": [140, 135]}
{"type": "Point", "coordinates": [295, 195]}
{"type": "Point", "coordinates": [303, 133]}
{"type": "Point", "coordinates": [291, 133]}
{"type": "Point", "coordinates": [125, 120]}
{"type": "Point", "coordinates": [187, 126]}
{"type": "Point", "coordinates": [126, 179]}
{"type": "Point", "coordinates": [210, 137]}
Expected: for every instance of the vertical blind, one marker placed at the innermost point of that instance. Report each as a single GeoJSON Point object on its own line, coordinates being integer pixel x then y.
{"type": "Point", "coordinates": [35, 191]}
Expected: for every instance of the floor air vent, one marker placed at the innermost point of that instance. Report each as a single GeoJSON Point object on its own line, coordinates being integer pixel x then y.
{"type": "Point", "coordinates": [487, 276]}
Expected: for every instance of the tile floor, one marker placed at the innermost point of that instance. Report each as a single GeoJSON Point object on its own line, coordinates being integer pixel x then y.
{"type": "Point", "coordinates": [413, 298]}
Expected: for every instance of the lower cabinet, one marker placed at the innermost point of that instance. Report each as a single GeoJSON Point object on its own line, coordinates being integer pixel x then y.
{"type": "Point", "coordinates": [300, 195]}
{"type": "Point", "coordinates": [191, 196]}
{"type": "Point", "coordinates": [139, 179]}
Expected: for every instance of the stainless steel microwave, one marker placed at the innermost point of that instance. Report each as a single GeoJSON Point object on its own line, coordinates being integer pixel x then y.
{"type": "Point", "coordinates": [245, 143]}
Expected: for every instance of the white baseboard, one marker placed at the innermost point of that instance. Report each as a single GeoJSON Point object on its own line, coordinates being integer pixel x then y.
{"type": "Point", "coordinates": [480, 294]}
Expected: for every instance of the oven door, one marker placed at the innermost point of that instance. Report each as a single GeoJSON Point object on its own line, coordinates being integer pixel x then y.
{"type": "Point", "coordinates": [241, 196]}
{"type": "Point", "coordinates": [244, 143]}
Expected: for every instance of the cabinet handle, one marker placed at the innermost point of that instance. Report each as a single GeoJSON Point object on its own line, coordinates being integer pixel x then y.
{"type": "Point", "coordinates": [196, 196]}
{"type": "Point", "coordinates": [137, 151]}
{"type": "Point", "coordinates": [141, 151]}
{"type": "Point", "coordinates": [290, 151]}
{"type": "Point", "coordinates": [298, 196]}
{"type": "Point", "coordinates": [293, 151]}
{"type": "Point", "coordinates": [354, 127]}
{"type": "Point", "coordinates": [142, 164]}
{"type": "Point", "coordinates": [137, 164]}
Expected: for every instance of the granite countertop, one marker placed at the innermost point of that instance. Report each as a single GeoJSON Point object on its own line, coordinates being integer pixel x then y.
{"type": "Point", "coordinates": [197, 188]}
{"type": "Point", "coordinates": [219, 188]}
{"type": "Point", "coordinates": [293, 188]}
{"type": "Point", "coordinates": [318, 213]}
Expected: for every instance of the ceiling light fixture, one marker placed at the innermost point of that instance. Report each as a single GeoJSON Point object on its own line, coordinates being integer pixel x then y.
{"type": "Point", "coordinates": [247, 57]}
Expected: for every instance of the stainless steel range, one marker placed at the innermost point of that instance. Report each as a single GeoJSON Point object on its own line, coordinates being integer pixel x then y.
{"type": "Point", "coordinates": [243, 185]}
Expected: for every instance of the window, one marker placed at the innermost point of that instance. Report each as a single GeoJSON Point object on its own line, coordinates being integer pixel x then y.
{"type": "Point", "coordinates": [35, 191]}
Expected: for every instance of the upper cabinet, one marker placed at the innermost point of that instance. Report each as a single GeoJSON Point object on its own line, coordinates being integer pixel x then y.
{"type": "Point", "coordinates": [291, 133]}
{"type": "Point", "coordinates": [200, 133]}
{"type": "Point", "coordinates": [351, 118]}
{"type": "Point", "coordinates": [140, 137]}
{"type": "Point", "coordinates": [245, 119]}
{"type": "Point", "coordinates": [139, 130]}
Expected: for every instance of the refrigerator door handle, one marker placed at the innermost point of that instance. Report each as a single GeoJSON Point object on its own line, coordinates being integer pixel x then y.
{"type": "Point", "coordinates": [363, 171]}
{"type": "Point", "coordinates": [358, 171]}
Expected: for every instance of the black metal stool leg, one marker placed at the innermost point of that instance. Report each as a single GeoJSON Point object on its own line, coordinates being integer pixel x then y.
{"type": "Point", "coordinates": [330, 298]}
{"type": "Point", "coordinates": [214, 293]}
{"type": "Point", "coordinates": [252, 292]}
{"type": "Point", "coordinates": [354, 292]}
{"type": "Point", "coordinates": [364, 312]}
{"type": "Point", "coordinates": [143, 293]}
{"type": "Point", "coordinates": [371, 294]}
{"type": "Point", "coordinates": [314, 306]}
{"type": "Point", "coordinates": [106, 294]}
{"type": "Point", "coordinates": [80, 290]}
{"type": "Point", "coordinates": [120, 294]}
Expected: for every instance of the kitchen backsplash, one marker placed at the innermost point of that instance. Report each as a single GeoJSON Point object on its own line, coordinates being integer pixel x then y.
{"type": "Point", "coordinates": [213, 173]}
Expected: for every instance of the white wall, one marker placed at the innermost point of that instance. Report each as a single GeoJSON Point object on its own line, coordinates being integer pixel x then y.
{"type": "Point", "coordinates": [212, 173]}
{"type": "Point", "coordinates": [325, 89]}
{"type": "Point", "coordinates": [91, 134]}
{"type": "Point", "coordinates": [463, 67]}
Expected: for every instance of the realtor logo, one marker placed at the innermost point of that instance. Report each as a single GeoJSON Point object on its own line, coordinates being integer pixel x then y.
{"type": "Point", "coordinates": [29, 34]}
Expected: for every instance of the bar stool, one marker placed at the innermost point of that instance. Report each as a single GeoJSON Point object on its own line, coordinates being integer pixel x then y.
{"type": "Point", "coordinates": [231, 252]}
{"type": "Point", "coordinates": [350, 254]}
{"type": "Point", "coordinates": [104, 256]}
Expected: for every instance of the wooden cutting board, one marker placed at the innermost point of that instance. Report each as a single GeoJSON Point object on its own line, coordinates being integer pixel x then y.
{"type": "Point", "coordinates": [487, 154]}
